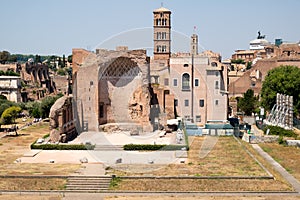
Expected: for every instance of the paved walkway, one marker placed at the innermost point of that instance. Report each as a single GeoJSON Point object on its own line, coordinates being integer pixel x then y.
{"type": "Point", "coordinates": [291, 179]}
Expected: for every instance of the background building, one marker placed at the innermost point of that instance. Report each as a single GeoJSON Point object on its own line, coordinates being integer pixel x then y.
{"type": "Point", "coordinates": [10, 87]}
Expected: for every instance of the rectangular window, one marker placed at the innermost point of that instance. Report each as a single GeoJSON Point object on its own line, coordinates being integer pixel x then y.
{"type": "Point", "coordinates": [175, 82]}
{"type": "Point", "coordinates": [166, 81]}
{"type": "Point", "coordinates": [217, 74]}
{"type": "Point", "coordinates": [186, 102]}
{"type": "Point", "coordinates": [196, 82]}
{"type": "Point", "coordinates": [164, 35]}
{"type": "Point", "coordinates": [216, 102]}
{"type": "Point", "coordinates": [201, 103]}
{"type": "Point", "coordinates": [91, 83]}
{"type": "Point", "coordinates": [198, 118]}
{"type": "Point", "coordinates": [217, 85]}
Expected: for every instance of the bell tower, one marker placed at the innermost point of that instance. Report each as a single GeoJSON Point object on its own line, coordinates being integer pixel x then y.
{"type": "Point", "coordinates": [162, 33]}
{"type": "Point", "coordinates": [194, 44]}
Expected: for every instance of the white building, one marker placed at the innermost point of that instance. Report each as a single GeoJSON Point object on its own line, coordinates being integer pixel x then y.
{"type": "Point", "coordinates": [10, 87]}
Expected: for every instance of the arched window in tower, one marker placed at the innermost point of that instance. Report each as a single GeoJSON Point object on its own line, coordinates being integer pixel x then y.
{"type": "Point", "coordinates": [164, 35]}
{"type": "Point", "coordinates": [158, 48]}
{"type": "Point", "coordinates": [158, 36]}
{"type": "Point", "coordinates": [159, 22]}
{"type": "Point", "coordinates": [185, 81]}
{"type": "Point", "coordinates": [164, 48]}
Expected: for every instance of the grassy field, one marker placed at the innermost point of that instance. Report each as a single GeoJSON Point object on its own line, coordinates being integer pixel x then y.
{"type": "Point", "coordinates": [203, 198]}
{"type": "Point", "coordinates": [287, 156]}
{"type": "Point", "coordinates": [13, 147]}
{"type": "Point", "coordinates": [30, 197]}
{"type": "Point", "coordinates": [226, 158]}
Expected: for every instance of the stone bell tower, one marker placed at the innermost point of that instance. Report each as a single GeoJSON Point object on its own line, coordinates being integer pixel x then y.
{"type": "Point", "coordinates": [162, 33]}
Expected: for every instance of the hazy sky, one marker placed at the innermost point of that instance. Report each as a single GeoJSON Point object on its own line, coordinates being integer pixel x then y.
{"type": "Point", "coordinates": [56, 26]}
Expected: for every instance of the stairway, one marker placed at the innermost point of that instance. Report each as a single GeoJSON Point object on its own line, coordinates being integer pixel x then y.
{"type": "Point", "coordinates": [108, 148]}
{"type": "Point", "coordinates": [88, 183]}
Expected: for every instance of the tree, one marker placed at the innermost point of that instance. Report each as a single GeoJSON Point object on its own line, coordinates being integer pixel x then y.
{"type": "Point", "coordinates": [38, 58]}
{"type": "Point", "coordinates": [238, 61]}
{"type": "Point", "coordinates": [10, 114]}
{"type": "Point", "coordinates": [248, 103]}
{"type": "Point", "coordinates": [12, 58]}
{"type": "Point", "coordinates": [59, 62]}
{"type": "Point", "coordinates": [2, 97]}
{"type": "Point", "coordinates": [63, 64]}
{"type": "Point", "coordinates": [70, 58]}
{"type": "Point", "coordinates": [46, 105]}
{"type": "Point", "coordinates": [284, 80]}
{"type": "Point", "coordinates": [4, 55]}
{"type": "Point", "coordinates": [61, 72]}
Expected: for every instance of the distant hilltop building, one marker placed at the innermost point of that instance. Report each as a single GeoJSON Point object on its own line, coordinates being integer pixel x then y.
{"type": "Point", "coordinates": [127, 87]}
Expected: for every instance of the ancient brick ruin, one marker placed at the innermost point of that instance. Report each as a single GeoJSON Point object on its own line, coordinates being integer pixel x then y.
{"type": "Point", "coordinates": [112, 87]}
{"type": "Point", "coordinates": [62, 127]}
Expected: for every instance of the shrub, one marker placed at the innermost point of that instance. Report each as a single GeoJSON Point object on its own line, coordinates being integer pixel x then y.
{"type": "Point", "coordinates": [152, 147]}
{"type": "Point", "coordinates": [276, 130]}
{"type": "Point", "coordinates": [62, 146]}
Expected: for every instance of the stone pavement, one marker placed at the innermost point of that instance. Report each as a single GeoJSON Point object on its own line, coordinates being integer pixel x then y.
{"type": "Point", "coordinates": [291, 179]}
{"type": "Point", "coordinates": [91, 169]}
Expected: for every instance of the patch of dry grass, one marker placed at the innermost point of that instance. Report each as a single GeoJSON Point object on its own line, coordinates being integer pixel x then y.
{"type": "Point", "coordinates": [287, 156]}
{"type": "Point", "coordinates": [30, 197]}
{"type": "Point", "coordinates": [32, 183]}
{"type": "Point", "coordinates": [202, 197]}
{"type": "Point", "coordinates": [201, 185]}
{"type": "Point", "coordinates": [227, 158]}
{"type": "Point", "coordinates": [14, 147]}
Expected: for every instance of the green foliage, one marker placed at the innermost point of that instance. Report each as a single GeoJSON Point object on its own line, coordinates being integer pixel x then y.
{"type": "Point", "coordinates": [70, 58]}
{"type": "Point", "coordinates": [276, 130]}
{"type": "Point", "coordinates": [4, 104]}
{"type": "Point", "coordinates": [284, 80]}
{"type": "Point", "coordinates": [115, 181]}
{"type": "Point", "coordinates": [8, 73]}
{"type": "Point", "coordinates": [248, 103]}
{"type": "Point", "coordinates": [4, 55]}
{"type": "Point", "coordinates": [281, 140]}
{"type": "Point", "coordinates": [249, 65]}
{"type": "Point", "coordinates": [37, 59]}
{"type": "Point", "coordinates": [62, 146]}
{"type": "Point", "coordinates": [61, 72]}
{"type": "Point", "coordinates": [63, 64]}
{"type": "Point", "coordinates": [46, 105]}
{"type": "Point", "coordinates": [41, 109]}
{"type": "Point", "coordinates": [2, 97]}
{"type": "Point", "coordinates": [152, 147]}
{"type": "Point", "coordinates": [238, 61]}
{"type": "Point", "coordinates": [46, 136]}
{"type": "Point", "coordinates": [10, 114]}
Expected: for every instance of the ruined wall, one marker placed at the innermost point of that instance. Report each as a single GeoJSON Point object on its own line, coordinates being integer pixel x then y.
{"type": "Point", "coordinates": [111, 87]}
{"type": "Point", "coordinates": [62, 127]}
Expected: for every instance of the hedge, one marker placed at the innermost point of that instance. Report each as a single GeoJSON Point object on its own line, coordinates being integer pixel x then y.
{"type": "Point", "coordinates": [276, 130]}
{"type": "Point", "coordinates": [152, 147]}
{"type": "Point", "coordinates": [62, 146]}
